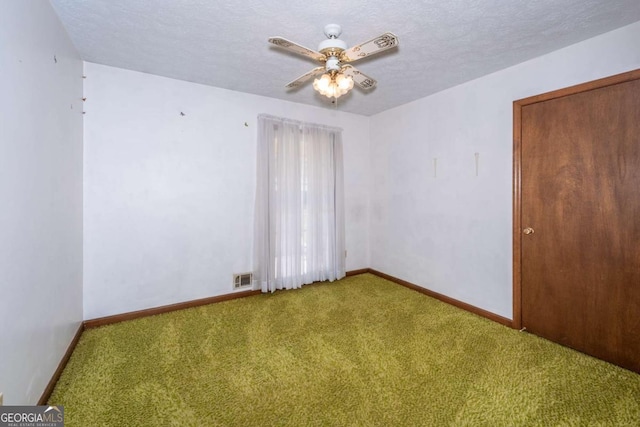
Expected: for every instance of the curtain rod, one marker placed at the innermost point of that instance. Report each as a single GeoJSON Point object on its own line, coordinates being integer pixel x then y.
{"type": "Point", "coordinates": [298, 122]}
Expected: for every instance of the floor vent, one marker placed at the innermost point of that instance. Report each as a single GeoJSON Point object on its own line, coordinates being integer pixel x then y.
{"type": "Point", "coordinates": [242, 280]}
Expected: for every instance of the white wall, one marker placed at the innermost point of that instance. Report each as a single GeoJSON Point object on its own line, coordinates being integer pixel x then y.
{"type": "Point", "coordinates": [452, 233]}
{"type": "Point", "coordinates": [40, 197]}
{"type": "Point", "coordinates": [169, 199]}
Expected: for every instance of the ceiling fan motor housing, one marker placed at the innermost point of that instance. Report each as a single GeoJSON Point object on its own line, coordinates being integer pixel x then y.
{"type": "Point", "coordinates": [331, 45]}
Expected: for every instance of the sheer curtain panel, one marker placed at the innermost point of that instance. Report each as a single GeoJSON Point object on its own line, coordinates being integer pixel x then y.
{"type": "Point", "coordinates": [299, 216]}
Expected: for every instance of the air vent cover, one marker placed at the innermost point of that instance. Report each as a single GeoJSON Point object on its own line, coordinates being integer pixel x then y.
{"type": "Point", "coordinates": [242, 280]}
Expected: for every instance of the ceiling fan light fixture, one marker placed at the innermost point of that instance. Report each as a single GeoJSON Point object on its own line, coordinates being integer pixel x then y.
{"type": "Point", "coordinates": [333, 86]}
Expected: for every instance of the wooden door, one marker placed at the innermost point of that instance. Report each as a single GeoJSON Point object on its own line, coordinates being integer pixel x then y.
{"type": "Point", "coordinates": [578, 229]}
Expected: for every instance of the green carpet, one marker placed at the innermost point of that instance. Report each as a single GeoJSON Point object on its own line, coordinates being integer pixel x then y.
{"type": "Point", "coordinates": [358, 352]}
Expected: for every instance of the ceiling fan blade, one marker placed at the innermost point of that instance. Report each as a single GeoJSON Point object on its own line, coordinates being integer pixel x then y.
{"type": "Point", "coordinates": [303, 78]}
{"type": "Point", "coordinates": [294, 47]}
{"type": "Point", "coordinates": [359, 78]}
{"type": "Point", "coordinates": [371, 47]}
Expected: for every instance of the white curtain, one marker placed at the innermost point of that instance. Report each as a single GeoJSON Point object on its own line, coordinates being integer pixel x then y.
{"type": "Point", "coordinates": [299, 217]}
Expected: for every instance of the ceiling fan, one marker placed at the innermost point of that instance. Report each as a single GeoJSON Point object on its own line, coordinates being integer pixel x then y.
{"type": "Point", "coordinates": [338, 75]}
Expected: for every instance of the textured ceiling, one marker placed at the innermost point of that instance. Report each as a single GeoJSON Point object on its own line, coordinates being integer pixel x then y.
{"type": "Point", "coordinates": [223, 43]}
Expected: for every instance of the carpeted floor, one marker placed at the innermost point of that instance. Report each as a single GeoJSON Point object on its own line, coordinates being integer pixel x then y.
{"type": "Point", "coordinates": [359, 352]}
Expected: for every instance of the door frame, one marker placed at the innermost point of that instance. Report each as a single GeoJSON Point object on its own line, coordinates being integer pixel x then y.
{"type": "Point", "coordinates": [517, 171]}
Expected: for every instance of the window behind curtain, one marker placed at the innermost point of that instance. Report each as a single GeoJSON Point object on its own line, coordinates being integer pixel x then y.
{"type": "Point", "coordinates": [299, 221]}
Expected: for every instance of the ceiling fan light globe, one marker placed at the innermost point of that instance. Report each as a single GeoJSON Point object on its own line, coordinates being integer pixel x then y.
{"type": "Point", "coordinates": [345, 83]}
{"type": "Point", "coordinates": [322, 83]}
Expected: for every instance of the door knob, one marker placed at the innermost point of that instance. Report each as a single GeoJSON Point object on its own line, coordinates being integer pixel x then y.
{"type": "Point", "coordinates": [528, 230]}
